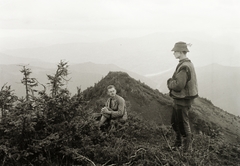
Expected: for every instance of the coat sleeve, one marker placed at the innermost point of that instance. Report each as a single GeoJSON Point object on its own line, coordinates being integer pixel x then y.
{"type": "Point", "coordinates": [180, 80]}
{"type": "Point", "coordinates": [121, 108]}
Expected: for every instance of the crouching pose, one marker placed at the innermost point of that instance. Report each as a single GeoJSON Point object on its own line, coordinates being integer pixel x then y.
{"type": "Point", "coordinates": [115, 107]}
{"type": "Point", "coordinates": [183, 90]}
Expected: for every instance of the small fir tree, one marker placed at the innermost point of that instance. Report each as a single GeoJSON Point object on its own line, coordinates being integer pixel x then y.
{"type": "Point", "coordinates": [28, 82]}
{"type": "Point", "coordinates": [7, 98]}
{"type": "Point", "coordinates": [56, 80]}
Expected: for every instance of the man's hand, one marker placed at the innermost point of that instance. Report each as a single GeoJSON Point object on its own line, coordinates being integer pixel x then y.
{"type": "Point", "coordinates": [105, 110]}
{"type": "Point", "coordinates": [168, 82]}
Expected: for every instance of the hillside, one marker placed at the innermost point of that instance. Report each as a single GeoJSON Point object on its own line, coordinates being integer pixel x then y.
{"type": "Point", "coordinates": [154, 106]}
{"type": "Point", "coordinates": [218, 83]}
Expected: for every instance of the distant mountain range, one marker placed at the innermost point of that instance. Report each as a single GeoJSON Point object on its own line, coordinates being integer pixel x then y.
{"type": "Point", "coordinates": [152, 105]}
{"type": "Point", "coordinates": [142, 55]}
{"type": "Point", "coordinates": [218, 83]}
{"type": "Point", "coordinates": [13, 60]}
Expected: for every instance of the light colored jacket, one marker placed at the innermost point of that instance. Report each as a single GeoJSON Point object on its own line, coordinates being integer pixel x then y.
{"type": "Point", "coordinates": [117, 106]}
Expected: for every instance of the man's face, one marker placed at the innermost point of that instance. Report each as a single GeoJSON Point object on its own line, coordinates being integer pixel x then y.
{"type": "Point", "coordinates": [177, 54]}
{"type": "Point", "coordinates": [112, 92]}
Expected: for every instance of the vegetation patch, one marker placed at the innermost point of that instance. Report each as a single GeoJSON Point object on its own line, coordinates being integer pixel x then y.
{"type": "Point", "coordinates": [57, 128]}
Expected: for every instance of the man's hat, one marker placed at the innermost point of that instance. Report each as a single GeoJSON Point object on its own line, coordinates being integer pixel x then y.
{"type": "Point", "coordinates": [180, 46]}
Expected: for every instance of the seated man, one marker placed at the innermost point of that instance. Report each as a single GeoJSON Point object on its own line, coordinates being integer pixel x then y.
{"type": "Point", "coordinates": [115, 107]}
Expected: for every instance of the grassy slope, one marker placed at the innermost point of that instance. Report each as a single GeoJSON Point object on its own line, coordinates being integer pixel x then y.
{"type": "Point", "coordinates": [155, 106]}
{"type": "Point", "coordinates": [228, 123]}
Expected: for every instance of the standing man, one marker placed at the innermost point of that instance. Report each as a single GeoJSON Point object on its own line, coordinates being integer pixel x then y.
{"type": "Point", "coordinates": [115, 107]}
{"type": "Point", "coordinates": [183, 89]}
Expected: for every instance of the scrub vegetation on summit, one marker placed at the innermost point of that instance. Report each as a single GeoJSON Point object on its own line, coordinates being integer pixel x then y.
{"type": "Point", "coordinates": [57, 128]}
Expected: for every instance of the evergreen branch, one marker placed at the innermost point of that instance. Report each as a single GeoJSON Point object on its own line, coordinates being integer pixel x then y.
{"type": "Point", "coordinates": [135, 155]}
{"type": "Point", "coordinates": [85, 158]}
{"type": "Point", "coordinates": [3, 86]}
{"type": "Point", "coordinates": [158, 159]}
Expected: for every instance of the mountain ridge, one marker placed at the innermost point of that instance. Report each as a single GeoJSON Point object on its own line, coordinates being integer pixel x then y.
{"type": "Point", "coordinates": [152, 105]}
{"type": "Point", "coordinates": [87, 74]}
{"type": "Point", "coordinates": [216, 82]}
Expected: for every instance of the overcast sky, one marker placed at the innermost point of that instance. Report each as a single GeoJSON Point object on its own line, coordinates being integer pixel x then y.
{"type": "Point", "coordinates": [118, 18]}
{"type": "Point", "coordinates": [101, 20]}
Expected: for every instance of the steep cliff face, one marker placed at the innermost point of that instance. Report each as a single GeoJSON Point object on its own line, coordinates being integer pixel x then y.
{"type": "Point", "coordinates": [152, 105]}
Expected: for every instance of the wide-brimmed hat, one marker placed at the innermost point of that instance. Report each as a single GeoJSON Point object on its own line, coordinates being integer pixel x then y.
{"type": "Point", "coordinates": [180, 46]}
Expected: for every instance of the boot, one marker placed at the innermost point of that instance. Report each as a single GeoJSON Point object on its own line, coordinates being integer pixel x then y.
{"type": "Point", "coordinates": [187, 144]}
{"type": "Point", "coordinates": [177, 143]}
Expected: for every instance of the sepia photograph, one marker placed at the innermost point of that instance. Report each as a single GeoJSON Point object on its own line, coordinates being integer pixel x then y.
{"type": "Point", "coordinates": [119, 82]}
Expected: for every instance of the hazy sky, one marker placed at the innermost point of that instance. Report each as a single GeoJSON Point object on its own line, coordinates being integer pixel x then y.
{"type": "Point", "coordinates": [118, 18]}
{"type": "Point", "coordinates": [40, 23]}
